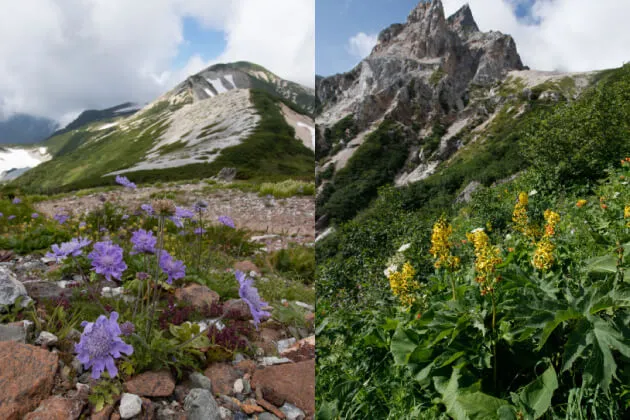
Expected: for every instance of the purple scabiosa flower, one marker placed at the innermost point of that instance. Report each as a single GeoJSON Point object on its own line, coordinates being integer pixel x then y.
{"type": "Point", "coordinates": [125, 217]}
{"type": "Point", "coordinates": [107, 259]}
{"type": "Point", "coordinates": [11, 217]}
{"type": "Point", "coordinates": [227, 221]}
{"type": "Point", "coordinates": [16, 201]}
{"type": "Point", "coordinates": [141, 275]}
{"type": "Point", "coordinates": [82, 224]}
{"type": "Point", "coordinates": [178, 222]}
{"type": "Point", "coordinates": [1, 214]}
{"type": "Point", "coordinates": [174, 269]}
{"type": "Point", "coordinates": [250, 295]}
{"type": "Point", "coordinates": [61, 218]}
{"type": "Point", "coordinates": [34, 215]}
{"type": "Point", "coordinates": [183, 213]}
{"type": "Point", "coordinates": [143, 242]}
{"type": "Point", "coordinates": [199, 231]}
{"type": "Point", "coordinates": [200, 206]}
{"type": "Point", "coordinates": [124, 181]}
{"type": "Point", "coordinates": [127, 328]}
{"type": "Point", "coordinates": [102, 229]}
{"type": "Point", "coordinates": [66, 249]}
{"type": "Point", "coordinates": [100, 344]}
{"type": "Point", "coordinates": [147, 208]}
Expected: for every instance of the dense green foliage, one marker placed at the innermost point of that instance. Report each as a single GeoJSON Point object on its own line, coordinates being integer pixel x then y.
{"type": "Point", "coordinates": [558, 346]}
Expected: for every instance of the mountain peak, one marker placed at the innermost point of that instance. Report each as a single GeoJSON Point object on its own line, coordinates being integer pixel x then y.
{"type": "Point", "coordinates": [427, 10]}
{"type": "Point", "coordinates": [463, 21]}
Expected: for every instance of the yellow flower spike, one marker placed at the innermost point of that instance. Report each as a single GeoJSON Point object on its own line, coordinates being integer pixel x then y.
{"type": "Point", "coordinates": [519, 216]}
{"type": "Point", "coordinates": [487, 258]}
{"type": "Point", "coordinates": [543, 257]}
{"type": "Point", "coordinates": [403, 285]}
{"type": "Point", "coordinates": [581, 203]}
{"type": "Point", "coordinates": [441, 246]}
{"type": "Point", "coordinates": [626, 212]}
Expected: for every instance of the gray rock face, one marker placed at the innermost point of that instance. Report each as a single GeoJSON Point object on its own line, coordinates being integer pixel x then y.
{"type": "Point", "coordinates": [200, 405]}
{"type": "Point", "coordinates": [200, 381]}
{"type": "Point", "coordinates": [11, 288]}
{"type": "Point", "coordinates": [419, 71]}
{"type": "Point", "coordinates": [12, 333]}
{"type": "Point", "coordinates": [466, 195]}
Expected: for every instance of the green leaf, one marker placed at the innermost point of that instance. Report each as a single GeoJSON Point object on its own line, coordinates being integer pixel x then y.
{"type": "Point", "coordinates": [537, 395]}
{"type": "Point", "coordinates": [404, 342]}
{"type": "Point", "coordinates": [560, 317]}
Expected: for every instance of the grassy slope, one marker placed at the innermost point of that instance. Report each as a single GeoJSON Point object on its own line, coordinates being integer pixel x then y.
{"type": "Point", "coordinates": [270, 153]}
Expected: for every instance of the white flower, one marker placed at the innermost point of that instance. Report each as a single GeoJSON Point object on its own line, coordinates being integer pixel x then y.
{"type": "Point", "coordinates": [404, 247]}
{"type": "Point", "coordinates": [390, 270]}
{"type": "Point", "coordinates": [508, 236]}
{"type": "Point", "coordinates": [615, 195]}
{"type": "Point", "coordinates": [533, 192]}
{"type": "Point", "coordinates": [477, 230]}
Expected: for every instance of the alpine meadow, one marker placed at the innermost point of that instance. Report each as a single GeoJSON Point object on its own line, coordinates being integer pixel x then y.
{"type": "Point", "coordinates": [473, 220]}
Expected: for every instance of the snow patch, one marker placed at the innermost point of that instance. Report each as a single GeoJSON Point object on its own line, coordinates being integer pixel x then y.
{"type": "Point", "coordinates": [208, 92]}
{"type": "Point", "coordinates": [230, 79]}
{"type": "Point", "coordinates": [106, 126]}
{"type": "Point", "coordinates": [217, 85]}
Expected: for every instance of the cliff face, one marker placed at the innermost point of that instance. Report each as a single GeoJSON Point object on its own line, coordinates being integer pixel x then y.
{"type": "Point", "coordinates": [420, 70]}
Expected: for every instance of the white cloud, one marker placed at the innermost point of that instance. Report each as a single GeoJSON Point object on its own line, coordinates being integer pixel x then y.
{"type": "Point", "coordinates": [361, 44]}
{"type": "Point", "coordinates": [573, 35]}
{"type": "Point", "coordinates": [70, 55]}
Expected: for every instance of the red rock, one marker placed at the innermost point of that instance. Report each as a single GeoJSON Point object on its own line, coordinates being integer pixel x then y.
{"type": "Point", "coordinates": [250, 407]}
{"type": "Point", "coordinates": [248, 366]}
{"type": "Point", "coordinates": [293, 382]}
{"type": "Point", "coordinates": [57, 408]}
{"type": "Point", "coordinates": [197, 295]}
{"type": "Point", "coordinates": [151, 384]}
{"type": "Point", "coordinates": [222, 376]}
{"type": "Point", "coordinates": [26, 376]}
{"type": "Point", "coordinates": [104, 414]}
{"type": "Point", "coordinates": [236, 309]}
{"type": "Point", "coordinates": [302, 350]}
{"type": "Point", "coordinates": [271, 408]}
{"type": "Point", "coordinates": [246, 267]}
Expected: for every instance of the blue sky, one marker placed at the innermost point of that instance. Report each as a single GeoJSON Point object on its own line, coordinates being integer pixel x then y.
{"type": "Point", "coordinates": [207, 43]}
{"type": "Point", "coordinates": [337, 21]}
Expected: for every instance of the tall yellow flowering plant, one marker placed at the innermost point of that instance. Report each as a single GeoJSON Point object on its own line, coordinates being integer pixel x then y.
{"type": "Point", "coordinates": [441, 249]}
{"type": "Point", "coordinates": [543, 257]}
{"type": "Point", "coordinates": [404, 286]}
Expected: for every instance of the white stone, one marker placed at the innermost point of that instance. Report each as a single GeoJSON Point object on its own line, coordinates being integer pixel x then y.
{"type": "Point", "coordinates": [238, 386]}
{"type": "Point", "coordinates": [292, 412]}
{"type": "Point", "coordinates": [270, 361]}
{"type": "Point", "coordinates": [404, 247]}
{"type": "Point", "coordinates": [130, 405]}
{"type": "Point", "coordinates": [49, 339]}
{"type": "Point", "coordinates": [285, 344]}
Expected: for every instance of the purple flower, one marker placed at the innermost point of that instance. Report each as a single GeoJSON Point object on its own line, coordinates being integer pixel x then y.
{"type": "Point", "coordinates": [1, 214]}
{"type": "Point", "coordinates": [148, 208]}
{"type": "Point", "coordinates": [250, 295]}
{"type": "Point", "coordinates": [107, 259]}
{"type": "Point", "coordinates": [178, 222]}
{"type": "Point", "coordinates": [199, 231]}
{"type": "Point", "coordinates": [61, 218]}
{"type": "Point", "coordinates": [127, 328]}
{"type": "Point", "coordinates": [16, 200]}
{"type": "Point", "coordinates": [143, 242]}
{"type": "Point", "coordinates": [82, 224]}
{"type": "Point", "coordinates": [174, 269]}
{"type": "Point", "coordinates": [124, 181]}
{"type": "Point", "coordinates": [200, 206]}
{"type": "Point", "coordinates": [72, 248]}
{"type": "Point", "coordinates": [34, 215]}
{"type": "Point", "coordinates": [227, 221]}
{"type": "Point", "coordinates": [125, 216]}
{"type": "Point", "coordinates": [11, 217]}
{"type": "Point", "coordinates": [100, 344]}
{"type": "Point", "coordinates": [141, 275]}
{"type": "Point", "coordinates": [102, 229]}
{"type": "Point", "coordinates": [183, 213]}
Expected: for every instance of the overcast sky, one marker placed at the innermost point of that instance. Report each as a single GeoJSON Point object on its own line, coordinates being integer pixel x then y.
{"type": "Point", "coordinates": [59, 57]}
{"type": "Point", "coordinates": [569, 35]}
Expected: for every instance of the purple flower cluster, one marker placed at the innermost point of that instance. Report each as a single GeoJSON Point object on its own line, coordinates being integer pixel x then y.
{"type": "Point", "coordinates": [200, 206]}
{"type": "Point", "coordinates": [16, 201]}
{"type": "Point", "coordinates": [67, 249]}
{"type": "Point", "coordinates": [143, 242]}
{"type": "Point", "coordinates": [174, 269]}
{"type": "Point", "coordinates": [100, 344]}
{"type": "Point", "coordinates": [147, 208]}
{"type": "Point", "coordinates": [124, 181]}
{"type": "Point", "coordinates": [34, 215]}
{"type": "Point", "coordinates": [183, 213]}
{"type": "Point", "coordinates": [61, 218]}
{"type": "Point", "coordinates": [250, 295]}
{"type": "Point", "coordinates": [199, 231]}
{"type": "Point", "coordinates": [107, 259]}
{"type": "Point", "coordinates": [227, 221]}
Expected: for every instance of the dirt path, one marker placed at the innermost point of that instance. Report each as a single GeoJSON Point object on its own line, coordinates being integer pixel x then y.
{"type": "Point", "coordinates": [293, 218]}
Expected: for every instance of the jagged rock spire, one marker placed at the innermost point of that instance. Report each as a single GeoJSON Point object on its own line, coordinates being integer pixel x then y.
{"type": "Point", "coordinates": [427, 10]}
{"type": "Point", "coordinates": [463, 21]}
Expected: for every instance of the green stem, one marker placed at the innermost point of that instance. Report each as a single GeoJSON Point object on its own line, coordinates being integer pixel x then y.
{"type": "Point", "coordinates": [453, 286]}
{"type": "Point", "coordinates": [494, 342]}
{"type": "Point", "coordinates": [156, 293]}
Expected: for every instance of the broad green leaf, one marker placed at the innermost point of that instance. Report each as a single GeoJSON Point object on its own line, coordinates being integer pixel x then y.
{"type": "Point", "coordinates": [404, 342]}
{"type": "Point", "coordinates": [560, 317]}
{"type": "Point", "coordinates": [537, 395]}
{"type": "Point", "coordinates": [480, 406]}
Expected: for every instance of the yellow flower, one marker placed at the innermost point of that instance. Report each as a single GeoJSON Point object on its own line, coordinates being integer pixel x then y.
{"type": "Point", "coordinates": [519, 216]}
{"type": "Point", "coordinates": [441, 246]}
{"type": "Point", "coordinates": [403, 285]}
{"type": "Point", "coordinates": [552, 218]}
{"type": "Point", "coordinates": [626, 212]}
{"type": "Point", "coordinates": [543, 255]}
{"type": "Point", "coordinates": [487, 258]}
{"type": "Point", "coordinates": [581, 203]}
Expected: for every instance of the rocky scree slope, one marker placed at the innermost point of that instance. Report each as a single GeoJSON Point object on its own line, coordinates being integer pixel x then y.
{"type": "Point", "coordinates": [229, 115]}
{"type": "Point", "coordinates": [430, 88]}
